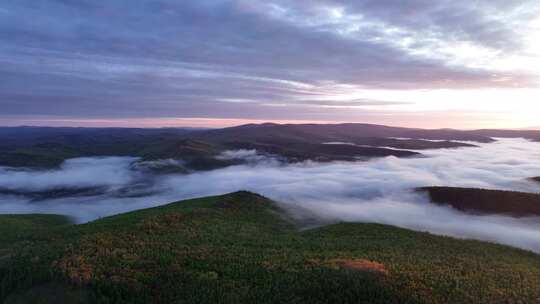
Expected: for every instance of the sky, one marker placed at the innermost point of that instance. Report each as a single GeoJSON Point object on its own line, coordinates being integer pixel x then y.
{"type": "Point", "coordinates": [213, 63]}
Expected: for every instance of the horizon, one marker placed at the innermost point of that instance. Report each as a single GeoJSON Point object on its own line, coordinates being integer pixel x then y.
{"type": "Point", "coordinates": [256, 123]}
{"type": "Point", "coordinates": [246, 123]}
{"type": "Point", "coordinates": [219, 63]}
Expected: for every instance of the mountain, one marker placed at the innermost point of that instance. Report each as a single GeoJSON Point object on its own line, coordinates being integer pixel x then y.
{"type": "Point", "coordinates": [350, 132]}
{"type": "Point", "coordinates": [49, 147]}
{"type": "Point", "coordinates": [242, 248]}
{"type": "Point", "coordinates": [485, 201]}
{"type": "Point", "coordinates": [528, 134]}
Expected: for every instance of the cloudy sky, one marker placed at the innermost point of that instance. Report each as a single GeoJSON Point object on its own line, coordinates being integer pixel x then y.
{"type": "Point", "coordinates": [424, 63]}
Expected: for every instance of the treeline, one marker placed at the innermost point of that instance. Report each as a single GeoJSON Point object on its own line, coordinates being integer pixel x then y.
{"type": "Point", "coordinates": [485, 201]}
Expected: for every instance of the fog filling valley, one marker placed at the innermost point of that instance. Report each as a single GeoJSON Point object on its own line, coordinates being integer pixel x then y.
{"type": "Point", "coordinates": [379, 190]}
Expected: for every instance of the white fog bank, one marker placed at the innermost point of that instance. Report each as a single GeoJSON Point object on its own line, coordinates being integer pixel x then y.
{"type": "Point", "coordinates": [378, 190]}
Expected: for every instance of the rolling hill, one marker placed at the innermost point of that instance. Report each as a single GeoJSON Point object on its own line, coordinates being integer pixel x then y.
{"type": "Point", "coordinates": [533, 135]}
{"type": "Point", "coordinates": [349, 132]}
{"type": "Point", "coordinates": [242, 248]}
{"type": "Point", "coordinates": [49, 147]}
{"type": "Point", "coordinates": [485, 201]}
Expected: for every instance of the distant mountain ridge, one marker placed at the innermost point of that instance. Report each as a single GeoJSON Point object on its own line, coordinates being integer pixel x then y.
{"type": "Point", "coordinates": [346, 131]}
{"type": "Point", "coordinates": [49, 146]}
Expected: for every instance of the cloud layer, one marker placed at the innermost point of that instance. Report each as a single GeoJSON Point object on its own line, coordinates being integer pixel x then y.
{"type": "Point", "coordinates": [245, 59]}
{"type": "Point", "coordinates": [374, 191]}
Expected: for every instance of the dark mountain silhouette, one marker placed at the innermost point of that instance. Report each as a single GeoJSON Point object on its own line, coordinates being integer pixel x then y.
{"type": "Point", "coordinates": [485, 201]}
{"type": "Point", "coordinates": [536, 179]}
{"type": "Point", "coordinates": [527, 134]}
{"type": "Point", "coordinates": [350, 132]}
{"type": "Point", "coordinates": [48, 147]}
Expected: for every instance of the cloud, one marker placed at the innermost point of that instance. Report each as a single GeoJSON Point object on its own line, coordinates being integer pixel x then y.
{"type": "Point", "coordinates": [74, 173]}
{"type": "Point", "coordinates": [238, 154]}
{"type": "Point", "coordinates": [180, 58]}
{"type": "Point", "coordinates": [159, 164]}
{"type": "Point", "coordinates": [378, 190]}
{"type": "Point", "coordinates": [251, 157]}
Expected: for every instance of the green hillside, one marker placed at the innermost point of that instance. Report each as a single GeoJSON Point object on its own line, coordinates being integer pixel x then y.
{"type": "Point", "coordinates": [240, 248]}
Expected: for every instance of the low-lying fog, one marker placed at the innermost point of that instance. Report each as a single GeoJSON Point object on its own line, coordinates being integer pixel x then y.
{"type": "Point", "coordinates": [374, 191]}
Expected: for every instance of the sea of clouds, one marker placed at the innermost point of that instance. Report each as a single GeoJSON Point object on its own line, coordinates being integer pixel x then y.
{"type": "Point", "coordinates": [379, 190]}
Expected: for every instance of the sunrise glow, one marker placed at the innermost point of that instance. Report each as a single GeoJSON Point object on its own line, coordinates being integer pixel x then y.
{"type": "Point", "coordinates": [455, 65]}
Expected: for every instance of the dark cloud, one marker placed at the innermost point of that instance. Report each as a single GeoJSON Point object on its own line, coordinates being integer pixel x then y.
{"type": "Point", "coordinates": [492, 23]}
{"type": "Point", "coordinates": [156, 56]}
